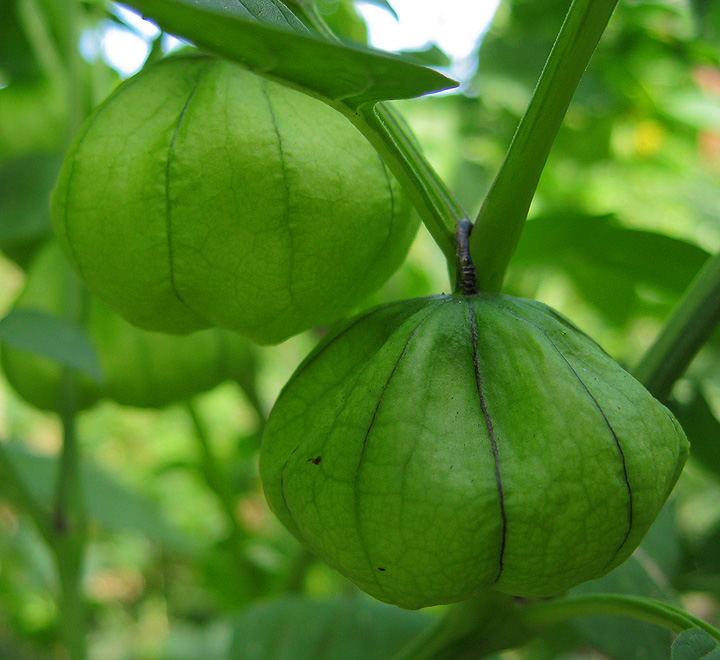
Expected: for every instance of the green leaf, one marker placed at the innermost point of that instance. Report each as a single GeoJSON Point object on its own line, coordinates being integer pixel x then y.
{"type": "Point", "coordinates": [52, 337]}
{"type": "Point", "coordinates": [112, 505]}
{"type": "Point", "coordinates": [269, 12]}
{"type": "Point", "coordinates": [431, 55]}
{"type": "Point", "coordinates": [16, 56]}
{"type": "Point", "coordinates": [329, 71]}
{"type": "Point", "coordinates": [384, 4]}
{"type": "Point", "coordinates": [644, 574]}
{"type": "Point", "coordinates": [609, 263]}
{"type": "Point", "coordinates": [298, 628]}
{"type": "Point", "coordinates": [26, 184]}
{"type": "Point", "coordinates": [695, 644]}
{"type": "Point", "coordinates": [701, 427]}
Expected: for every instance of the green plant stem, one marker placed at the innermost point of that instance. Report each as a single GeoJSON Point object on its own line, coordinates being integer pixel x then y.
{"type": "Point", "coordinates": [68, 517]}
{"type": "Point", "coordinates": [440, 211]}
{"type": "Point", "coordinates": [688, 328]}
{"type": "Point", "coordinates": [214, 475]}
{"type": "Point", "coordinates": [505, 624]}
{"type": "Point", "coordinates": [385, 129]}
{"type": "Point", "coordinates": [635, 607]}
{"type": "Point", "coordinates": [294, 581]}
{"type": "Point", "coordinates": [502, 216]}
{"type": "Point", "coordinates": [39, 34]}
{"type": "Point", "coordinates": [69, 558]}
{"type": "Point", "coordinates": [429, 645]}
{"type": "Point", "coordinates": [78, 97]}
{"type": "Point", "coordinates": [486, 623]}
{"type": "Point", "coordinates": [69, 526]}
{"type": "Point", "coordinates": [249, 388]}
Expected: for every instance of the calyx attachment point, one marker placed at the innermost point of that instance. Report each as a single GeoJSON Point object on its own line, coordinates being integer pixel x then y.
{"type": "Point", "coordinates": [466, 278]}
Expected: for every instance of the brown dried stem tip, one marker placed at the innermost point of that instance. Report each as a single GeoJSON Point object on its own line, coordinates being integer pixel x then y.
{"type": "Point", "coordinates": [466, 279]}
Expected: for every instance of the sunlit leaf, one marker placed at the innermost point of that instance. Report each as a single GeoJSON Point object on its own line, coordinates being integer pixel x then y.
{"type": "Point", "coordinates": [384, 4]}
{"type": "Point", "coordinates": [331, 71]}
{"type": "Point", "coordinates": [269, 12]}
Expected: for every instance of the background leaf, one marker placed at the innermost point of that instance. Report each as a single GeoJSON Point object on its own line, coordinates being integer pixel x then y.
{"type": "Point", "coordinates": [701, 427]}
{"type": "Point", "coordinates": [52, 337]}
{"type": "Point", "coordinates": [113, 506]}
{"type": "Point", "coordinates": [612, 266]}
{"type": "Point", "coordinates": [695, 644]}
{"type": "Point", "coordinates": [296, 628]}
{"type": "Point", "coordinates": [645, 573]}
{"type": "Point", "coordinates": [26, 184]}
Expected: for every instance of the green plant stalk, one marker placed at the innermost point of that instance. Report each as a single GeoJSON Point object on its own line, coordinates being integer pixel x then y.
{"type": "Point", "coordinates": [503, 213]}
{"type": "Point", "coordinates": [215, 478]}
{"type": "Point", "coordinates": [68, 517]}
{"type": "Point", "coordinates": [69, 558]}
{"type": "Point", "coordinates": [293, 581]}
{"type": "Point", "coordinates": [38, 32]}
{"type": "Point", "coordinates": [69, 527]}
{"type": "Point", "coordinates": [78, 97]}
{"type": "Point", "coordinates": [383, 127]}
{"type": "Point", "coordinates": [248, 385]}
{"type": "Point", "coordinates": [497, 627]}
{"type": "Point", "coordinates": [635, 607]}
{"type": "Point", "coordinates": [688, 328]}
{"type": "Point", "coordinates": [387, 132]}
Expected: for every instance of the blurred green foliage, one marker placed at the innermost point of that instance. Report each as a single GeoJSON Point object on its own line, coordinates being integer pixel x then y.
{"type": "Point", "coordinates": [185, 560]}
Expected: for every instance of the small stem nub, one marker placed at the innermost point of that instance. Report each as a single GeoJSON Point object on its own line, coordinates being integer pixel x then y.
{"type": "Point", "coordinates": [466, 281]}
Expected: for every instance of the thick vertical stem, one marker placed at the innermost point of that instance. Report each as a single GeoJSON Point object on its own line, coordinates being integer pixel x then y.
{"type": "Point", "coordinates": [502, 216]}
{"type": "Point", "coordinates": [68, 516]}
{"type": "Point", "coordinates": [687, 329]}
{"type": "Point", "coordinates": [69, 527]}
{"type": "Point", "coordinates": [69, 558]}
{"type": "Point", "coordinates": [215, 477]}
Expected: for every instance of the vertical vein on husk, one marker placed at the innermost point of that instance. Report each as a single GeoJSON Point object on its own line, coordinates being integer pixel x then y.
{"type": "Point", "coordinates": [314, 355]}
{"type": "Point", "coordinates": [369, 431]}
{"type": "Point", "coordinates": [284, 169]}
{"type": "Point", "coordinates": [391, 223]}
{"type": "Point", "coordinates": [73, 152]}
{"type": "Point", "coordinates": [329, 341]}
{"type": "Point", "coordinates": [490, 430]}
{"type": "Point", "coordinates": [607, 423]}
{"type": "Point", "coordinates": [282, 483]}
{"type": "Point", "coordinates": [168, 212]}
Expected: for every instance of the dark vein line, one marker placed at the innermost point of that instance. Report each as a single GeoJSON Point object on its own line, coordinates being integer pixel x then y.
{"type": "Point", "coordinates": [168, 213]}
{"type": "Point", "coordinates": [302, 368]}
{"type": "Point", "coordinates": [607, 423]}
{"type": "Point", "coordinates": [321, 348]}
{"type": "Point", "coordinates": [491, 434]}
{"type": "Point", "coordinates": [282, 484]}
{"type": "Point", "coordinates": [284, 169]}
{"type": "Point", "coordinates": [388, 180]}
{"type": "Point", "coordinates": [90, 124]}
{"type": "Point", "coordinates": [367, 437]}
